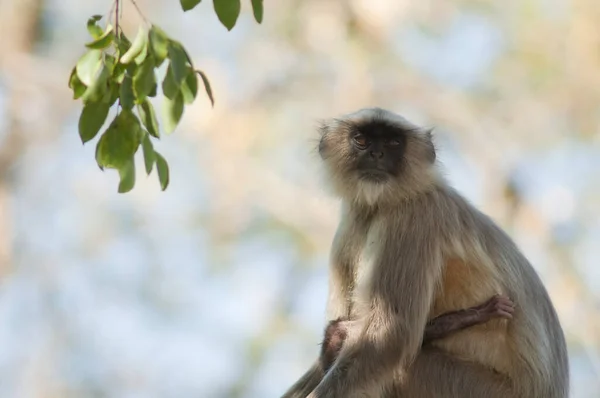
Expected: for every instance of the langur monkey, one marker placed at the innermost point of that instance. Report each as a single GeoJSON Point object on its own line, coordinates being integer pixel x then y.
{"type": "Point", "coordinates": [408, 249]}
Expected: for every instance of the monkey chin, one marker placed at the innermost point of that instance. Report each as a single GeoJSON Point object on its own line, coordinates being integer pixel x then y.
{"type": "Point", "coordinates": [371, 188]}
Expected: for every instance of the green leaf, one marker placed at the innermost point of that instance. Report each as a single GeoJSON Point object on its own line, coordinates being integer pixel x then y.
{"type": "Point", "coordinates": [119, 73]}
{"type": "Point", "coordinates": [109, 94]}
{"type": "Point", "coordinates": [123, 43]}
{"type": "Point", "coordinates": [99, 88]}
{"type": "Point", "coordinates": [207, 87]}
{"type": "Point", "coordinates": [127, 174]}
{"type": "Point", "coordinates": [172, 111]}
{"type": "Point", "coordinates": [187, 55]}
{"type": "Point", "coordinates": [119, 142]}
{"type": "Point", "coordinates": [110, 62]}
{"type": "Point", "coordinates": [128, 123]}
{"type": "Point", "coordinates": [189, 87]}
{"type": "Point", "coordinates": [148, 116]}
{"type": "Point", "coordinates": [153, 91]}
{"type": "Point", "coordinates": [76, 85]}
{"type": "Point", "coordinates": [91, 119]}
{"type": "Point", "coordinates": [126, 93]}
{"type": "Point", "coordinates": [149, 155]}
{"type": "Point", "coordinates": [139, 44]}
{"type": "Point", "coordinates": [144, 80]}
{"type": "Point", "coordinates": [189, 4]}
{"type": "Point", "coordinates": [141, 57]}
{"type": "Point", "coordinates": [112, 96]}
{"type": "Point", "coordinates": [257, 9]}
{"type": "Point", "coordinates": [178, 58]}
{"type": "Point", "coordinates": [131, 68]}
{"type": "Point", "coordinates": [228, 12]}
{"type": "Point", "coordinates": [163, 171]}
{"type": "Point", "coordinates": [104, 40]}
{"type": "Point", "coordinates": [158, 44]}
{"type": "Point", "coordinates": [98, 156]}
{"type": "Point", "coordinates": [93, 28]}
{"type": "Point", "coordinates": [169, 87]}
{"type": "Point", "coordinates": [88, 65]}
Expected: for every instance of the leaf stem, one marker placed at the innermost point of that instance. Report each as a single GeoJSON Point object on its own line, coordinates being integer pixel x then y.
{"type": "Point", "coordinates": [110, 13]}
{"type": "Point", "coordinates": [117, 16]}
{"type": "Point", "coordinates": [140, 11]}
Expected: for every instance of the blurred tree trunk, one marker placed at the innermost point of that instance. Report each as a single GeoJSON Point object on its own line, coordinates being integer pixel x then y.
{"type": "Point", "coordinates": [19, 27]}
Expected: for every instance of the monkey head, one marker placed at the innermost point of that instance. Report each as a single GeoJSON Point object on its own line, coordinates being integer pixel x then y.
{"type": "Point", "coordinates": [376, 156]}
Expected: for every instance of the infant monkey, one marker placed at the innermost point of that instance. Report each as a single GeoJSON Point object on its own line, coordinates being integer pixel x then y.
{"type": "Point", "coordinates": [442, 326]}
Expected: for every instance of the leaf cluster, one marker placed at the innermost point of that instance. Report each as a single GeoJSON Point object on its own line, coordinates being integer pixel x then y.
{"type": "Point", "coordinates": [227, 11]}
{"type": "Point", "coordinates": [118, 71]}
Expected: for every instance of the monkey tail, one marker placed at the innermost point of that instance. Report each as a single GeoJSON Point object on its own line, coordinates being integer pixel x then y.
{"type": "Point", "coordinates": [307, 383]}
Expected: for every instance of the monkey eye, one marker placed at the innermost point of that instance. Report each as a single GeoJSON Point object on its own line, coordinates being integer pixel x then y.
{"type": "Point", "coordinates": [361, 140]}
{"type": "Point", "coordinates": [393, 142]}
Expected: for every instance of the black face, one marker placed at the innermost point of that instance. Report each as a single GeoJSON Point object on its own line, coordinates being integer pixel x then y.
{"type": "Point", "coordinates": [379, 147]}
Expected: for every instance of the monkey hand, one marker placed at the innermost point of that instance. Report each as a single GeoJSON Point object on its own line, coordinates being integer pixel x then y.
{"type": "Point", "coordinates": [498, 306]}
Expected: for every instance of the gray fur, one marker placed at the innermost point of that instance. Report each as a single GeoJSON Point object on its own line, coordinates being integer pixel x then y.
{"type": "Point", "coordinates": [409, 249]}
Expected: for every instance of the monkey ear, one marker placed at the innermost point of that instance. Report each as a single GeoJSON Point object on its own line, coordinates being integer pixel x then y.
{"type": "Point", "coordinates": [431, 153]}
{"type": "Point", "coordinates": [322, 127]}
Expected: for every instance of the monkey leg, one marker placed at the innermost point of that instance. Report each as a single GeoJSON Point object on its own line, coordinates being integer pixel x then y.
{"type": "Point", "coordinates": [435, 374]}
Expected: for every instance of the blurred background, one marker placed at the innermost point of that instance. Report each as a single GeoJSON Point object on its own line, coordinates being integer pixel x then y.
{"type": "Point", "coordinates": [217, 287]}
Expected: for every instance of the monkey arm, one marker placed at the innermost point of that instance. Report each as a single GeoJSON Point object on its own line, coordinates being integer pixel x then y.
{"type": "Point", "coordinates": [390, 331]}
{"type": "Point", "coordinates": [346, 243]}
{"type": "Point", "coordinates": [344, 254]}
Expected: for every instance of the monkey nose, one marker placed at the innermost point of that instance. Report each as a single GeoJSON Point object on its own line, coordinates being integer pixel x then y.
{"type": "Point", "coordinates": [376, 154]}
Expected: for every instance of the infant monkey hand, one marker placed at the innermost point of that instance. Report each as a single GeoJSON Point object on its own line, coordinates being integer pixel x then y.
{"type": "Point", "coordinates": [335, 334]}
{"type": "Point", "coordinates": [498, 306]}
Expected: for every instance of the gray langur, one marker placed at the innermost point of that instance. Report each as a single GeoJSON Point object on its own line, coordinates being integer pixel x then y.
{"type": "Point", "coordinates": [408, 249]}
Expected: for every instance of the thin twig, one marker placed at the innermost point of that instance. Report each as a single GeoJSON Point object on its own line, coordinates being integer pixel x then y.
{"type": "Point", "coordinates": [140, 11]}
{"type": "Point", "coordinates": [121, 13]}
{"type": "Point", "coordinates": [117, 16]}
{"type": "Point", "coordinates": [110, 13]}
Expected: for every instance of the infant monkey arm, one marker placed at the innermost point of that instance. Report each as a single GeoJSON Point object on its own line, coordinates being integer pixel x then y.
{"type": "Point", "coordinates": [446, 324]}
